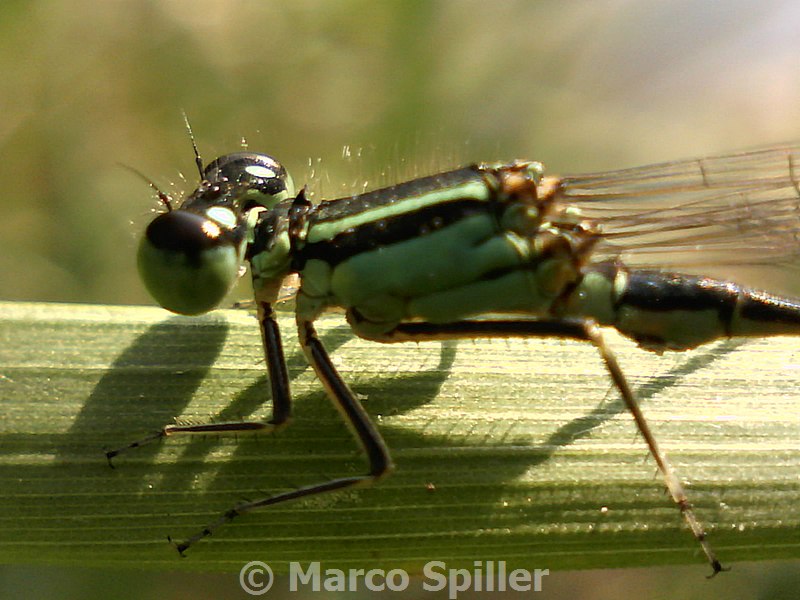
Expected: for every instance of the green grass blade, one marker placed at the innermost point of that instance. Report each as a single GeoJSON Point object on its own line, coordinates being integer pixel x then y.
{"type": "Point", "coordinates": [505, 450]}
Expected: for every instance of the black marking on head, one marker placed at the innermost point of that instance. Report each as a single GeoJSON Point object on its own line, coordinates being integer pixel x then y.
{"type": "Point", "coordinates": [238, 168]}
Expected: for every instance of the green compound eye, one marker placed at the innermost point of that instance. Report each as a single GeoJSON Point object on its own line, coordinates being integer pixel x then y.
{"type": "Point", "coordinates": [188, 262]}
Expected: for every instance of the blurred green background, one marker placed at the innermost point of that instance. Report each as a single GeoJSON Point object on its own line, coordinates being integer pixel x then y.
{"type": "Point", "coordinates": [354, 93]}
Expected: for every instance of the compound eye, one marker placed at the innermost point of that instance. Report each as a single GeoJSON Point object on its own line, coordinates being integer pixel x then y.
{"type": "Point", "coordinates": [260, 174]}
{"type": "Point", "coordinates": [188, 262]}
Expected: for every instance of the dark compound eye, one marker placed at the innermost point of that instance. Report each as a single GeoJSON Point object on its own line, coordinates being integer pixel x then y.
{"type": "Point", "coordinates": [254, 171]}
{"type": "Point", "coordinates": [188, 262]}
{"type": "Point", "coordinates": [185, 232]}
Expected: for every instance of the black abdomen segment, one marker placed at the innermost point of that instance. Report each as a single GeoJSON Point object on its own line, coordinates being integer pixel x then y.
{"type": "Point", "coordinates": [672, 311]}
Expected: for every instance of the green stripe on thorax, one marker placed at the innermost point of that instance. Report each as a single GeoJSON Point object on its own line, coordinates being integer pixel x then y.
{"type": "Point", "coordinates": [474, 189]}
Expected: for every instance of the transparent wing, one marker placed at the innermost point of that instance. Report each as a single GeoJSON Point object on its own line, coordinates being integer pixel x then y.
{"type": "Point", "coordinates": [738, 209]}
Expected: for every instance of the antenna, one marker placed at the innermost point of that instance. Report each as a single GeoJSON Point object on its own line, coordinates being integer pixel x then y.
{"type": "Point", "coordinates": [165, 198]}
{"type": "Point", "coordinates": [197, 159]}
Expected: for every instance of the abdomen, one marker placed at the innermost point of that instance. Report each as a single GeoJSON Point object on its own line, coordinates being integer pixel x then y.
{"type": "Point", "coordinates": [672, 311]}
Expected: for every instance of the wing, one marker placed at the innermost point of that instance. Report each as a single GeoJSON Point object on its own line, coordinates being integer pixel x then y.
{"type": "Point", "coordinates": [738, 209]}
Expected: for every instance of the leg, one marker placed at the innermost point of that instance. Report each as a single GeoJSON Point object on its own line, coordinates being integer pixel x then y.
{"type": "Point", "coordinates": [578, 330]}
{"type": "Point", "coordinates": [279, 382]}
{"type": "Point", "coordinates": [355, 416]}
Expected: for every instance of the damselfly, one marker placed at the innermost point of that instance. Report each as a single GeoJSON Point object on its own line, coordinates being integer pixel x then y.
{"type": "Point", "coordinates": [487, 250]}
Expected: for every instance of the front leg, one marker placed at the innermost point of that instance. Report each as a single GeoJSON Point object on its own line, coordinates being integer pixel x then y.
{"type": "Point", "coordinates": [355, 416]}
{"type": "Point", "coordinates": [279, 382]}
